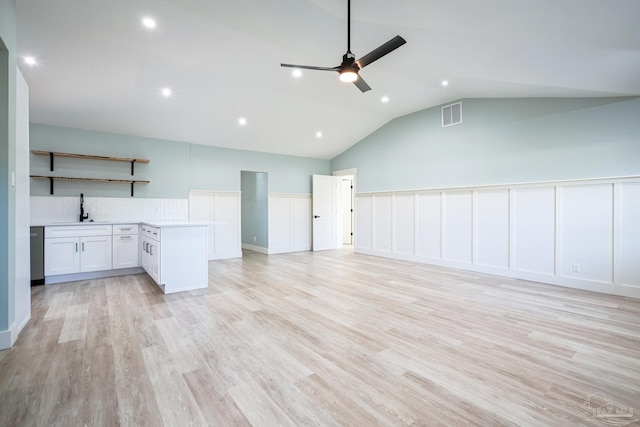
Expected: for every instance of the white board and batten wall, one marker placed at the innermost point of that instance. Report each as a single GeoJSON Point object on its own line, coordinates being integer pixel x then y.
{"type": "Point", "coordinates": [289, 223]}
{"type": "Point", "coordinates": [223, 209]}
{"type": "Point", "coordinates": [581, 234]}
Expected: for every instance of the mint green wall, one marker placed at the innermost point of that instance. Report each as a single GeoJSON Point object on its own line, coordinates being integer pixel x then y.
{"type": "Point", "coordinates": [255, 204]}
{"type": "Point", "coordinates": [7, 161]}
{"type": "Point", "coordinates": [501, 141]}
{"type": "Point", "coordinates": [168, 170]}
{"type": "Point", "coordinates": [219, 169]}
{"type": "Point", "coordinates": [175, 167]}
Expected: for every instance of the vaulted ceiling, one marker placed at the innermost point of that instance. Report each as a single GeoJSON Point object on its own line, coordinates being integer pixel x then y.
{"type": "Point", "coordinates": [98, 68]}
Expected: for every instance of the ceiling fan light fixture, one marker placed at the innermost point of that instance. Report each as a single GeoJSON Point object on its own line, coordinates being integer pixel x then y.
{"type": "Point", "coordinates": [348, 76]}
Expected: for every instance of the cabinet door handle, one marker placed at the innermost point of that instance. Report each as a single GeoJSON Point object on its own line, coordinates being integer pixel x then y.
{"type": "Point", "coordinates": [125, 237]}
{"type": "Point", "coordinates": [82, 246]}
{"type": "Point", "coordinates": [76, 246]}
{"type": "Point", "coordinates": [125, 229]}
{"type": "Point", "coordinates": [150, 249]}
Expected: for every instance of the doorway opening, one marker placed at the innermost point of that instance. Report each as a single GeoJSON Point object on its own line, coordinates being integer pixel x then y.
{"type": "Point", "coordinates": [254, 206]}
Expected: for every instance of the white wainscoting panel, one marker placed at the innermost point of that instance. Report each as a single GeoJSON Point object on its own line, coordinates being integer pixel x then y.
{"type": "Point", "coordinates": [364, 222]}
{"type": "Point", "coordinates": [629, 248]}
{"type": "Point", "coordinates": [534, 233]}
{"type": "Point", "coordinates": [289, 223]}
{"type": "Point", "coordinates": [279, 223]}
{"type": "Point", "coordinates": [586, 248]}
{"type": "Point", "coordinates": [492, 228]}
{"type": "Point", "coordinates": [301, 223]}
{"type": "Point", "coordinates": [404, 213]}
{"type": "Point", "coordinates": [223, 208]}
{"type": "Point", "coordinates": [382, 223]}
{"type": "Point", "coordinates": [583, 234]}
{"type": "Point", "coordinates": [458, 223]}
{"type": "Point", "coordinates": [429, 225]}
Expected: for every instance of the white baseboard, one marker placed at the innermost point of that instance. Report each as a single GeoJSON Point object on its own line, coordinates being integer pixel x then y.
{"type": "Point", "coordinates": [287, 250]}
{"type": "Point", "coordinates": [253, 248]}
{"type": "Point", "coordinates": [92, 275]}
{"type": "Point", "coordinates": [587, 285]}
{"type": "Point", "coordinates": [8, 338]}
{"type": "Point", "coordinates": [227, 256]}
{"type": "Point", "coordinates": [5, 340]}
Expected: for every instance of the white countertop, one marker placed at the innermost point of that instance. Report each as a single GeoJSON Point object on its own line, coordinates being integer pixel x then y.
{"type": "Point", "coordinates": [159, 224]}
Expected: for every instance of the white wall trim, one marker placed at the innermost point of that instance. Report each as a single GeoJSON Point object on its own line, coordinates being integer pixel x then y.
{"type": "Point", "coordinates": [224, 208]}
{"type": "Point", "coordinates": [289, 223]}
{"type": "Point", "coordinates": [542, 231]}
{"type": "Point", "coordinates": [254, 248]}
{"type": "Point", "coordinates": [64, 278]}
{"type": "Point", "coordinates": [8, 338]}
{"type": "Point", "coordinates": [581, 181]}
{"type": "Point", "coordinates": [213, 192]}
{"type": "Point", "coordinates": [6, 341]}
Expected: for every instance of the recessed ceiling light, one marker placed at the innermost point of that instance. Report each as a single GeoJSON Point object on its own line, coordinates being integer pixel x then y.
{"type": "Point", "coordinates": [296, 73]}
{"type": "Point", "coordinates": [149, 22]}
{"type": "Point", "coordinates": [166, 92]}
{"type": "Point", "coordinates": [318, 134]}
{"type": "Point", "coordinates": [30, 60]}
{"type": "Point", "coordinates": [445, 83]}
{"type": "Point", "coordinates": [242, 121]}
{"type": "Point", "coordinates": [384, 99]}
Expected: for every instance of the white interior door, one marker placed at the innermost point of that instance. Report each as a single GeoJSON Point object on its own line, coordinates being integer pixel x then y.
{"type": "Point", "coordinates": [325, 212]}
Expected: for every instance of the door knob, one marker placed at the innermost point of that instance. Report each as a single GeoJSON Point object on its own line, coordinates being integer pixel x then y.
{"type": "Point", "coordinates": [316, 216]}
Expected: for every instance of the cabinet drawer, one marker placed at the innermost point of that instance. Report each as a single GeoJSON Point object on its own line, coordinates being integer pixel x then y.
{"type": "Point", "coordinates": [125, 229]}
{"type": "Point", "coordinates": [151, 232]}
{"type": "Point", "coordinates": [78, 231]}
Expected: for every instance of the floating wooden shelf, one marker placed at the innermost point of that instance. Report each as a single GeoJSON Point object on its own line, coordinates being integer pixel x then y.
{"type": "Point", "coordinates": [68, 178]}
{"type": "Point", "coordinates": [53, 154]}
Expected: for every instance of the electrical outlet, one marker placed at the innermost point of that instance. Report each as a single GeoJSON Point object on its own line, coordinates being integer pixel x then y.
{"type": "Point", "coordinates": [575, 267]}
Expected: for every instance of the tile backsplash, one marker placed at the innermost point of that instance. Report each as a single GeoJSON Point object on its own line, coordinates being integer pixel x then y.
{"type": "Point", "coordinates": [48, 209]}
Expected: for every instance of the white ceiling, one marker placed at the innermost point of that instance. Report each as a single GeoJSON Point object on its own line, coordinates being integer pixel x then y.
{"type": "Point", "coordinates": [99, 69]}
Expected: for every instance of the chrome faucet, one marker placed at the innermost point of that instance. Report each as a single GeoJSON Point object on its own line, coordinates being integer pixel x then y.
{"type": "Point", "coordinates": [83, 216]}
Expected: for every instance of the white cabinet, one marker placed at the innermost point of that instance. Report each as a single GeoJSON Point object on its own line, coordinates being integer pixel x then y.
{"type": "Point", "coordinates": [126, 253]}
{"type": "Point", "coordinates": [151, 252]}
{"type": "Point", "coordinates": [77, 249]}
{"type": "Point", "coordinates": [95, 253]}
{"type": "Point", "coordinates": [151, 257]}
{"type": "Point", "coordinates": [175, 256]}
{"type": "Point", "coordinates": [62, 256]}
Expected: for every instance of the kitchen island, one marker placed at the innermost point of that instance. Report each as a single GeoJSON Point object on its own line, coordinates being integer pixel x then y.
{"type": "Point", "coordinates": [174, 254]}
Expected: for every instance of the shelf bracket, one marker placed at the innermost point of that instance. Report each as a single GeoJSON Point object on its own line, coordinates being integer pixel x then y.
{"type": "Point", "coordinates": [132, 163]}
{"type": "Point", "coordinates": [51, 184]}
{"type": "Point", "coordinates": [51, 164]}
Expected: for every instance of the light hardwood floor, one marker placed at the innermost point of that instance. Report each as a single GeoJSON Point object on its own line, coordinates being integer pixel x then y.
{"type": "Point", "coordinates": [329, 338]}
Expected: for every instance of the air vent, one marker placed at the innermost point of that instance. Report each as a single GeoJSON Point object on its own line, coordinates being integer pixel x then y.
{"type": "Point", "coordinates": [452, 114]}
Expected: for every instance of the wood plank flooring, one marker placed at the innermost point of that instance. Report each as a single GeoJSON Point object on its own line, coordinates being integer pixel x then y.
{"type": "Point", "coordinates": [321, 339]}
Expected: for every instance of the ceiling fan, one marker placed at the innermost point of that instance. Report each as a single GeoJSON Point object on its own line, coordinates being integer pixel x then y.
{"type": "Point", "coordinates": [349, 67]}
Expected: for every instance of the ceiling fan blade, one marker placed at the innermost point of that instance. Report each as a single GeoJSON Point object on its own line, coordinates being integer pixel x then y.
{"type": "Point", "coordinates": [310, 67]}
{"type": "Point", "coordinates": [361, 84]}
{"type": "Point", "coordinates": [381, 51]}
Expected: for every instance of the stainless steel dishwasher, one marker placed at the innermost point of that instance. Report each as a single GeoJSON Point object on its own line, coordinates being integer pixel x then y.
{"type": "Point", "coordinates": [37, 256]}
